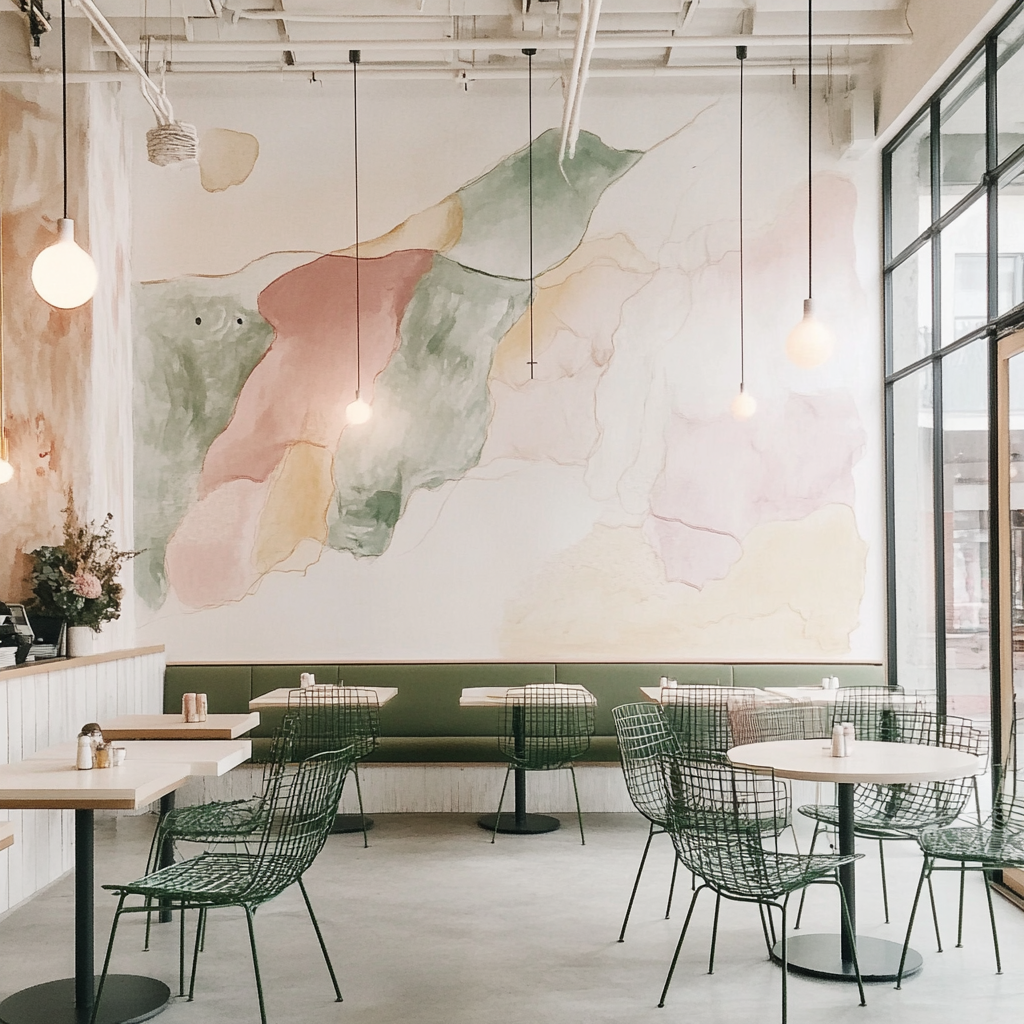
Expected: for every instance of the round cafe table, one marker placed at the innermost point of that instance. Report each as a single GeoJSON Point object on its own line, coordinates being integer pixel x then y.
{"type": "Point", "coordinates": [830, 956]}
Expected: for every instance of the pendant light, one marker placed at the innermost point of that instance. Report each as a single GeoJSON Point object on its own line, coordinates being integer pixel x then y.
{"type": "Point", "coordinates": [743, 406]}
{"type": "Point", "coordinates": [358, 411]}
{"type": "Point", "coordinates": [810, 343]}
{"type": "Point", "coordinates": [63, 273]}
{"type": "Point", "coordinates": [6, 469]}
{"type": "Point", "coordinates": [530, 52]}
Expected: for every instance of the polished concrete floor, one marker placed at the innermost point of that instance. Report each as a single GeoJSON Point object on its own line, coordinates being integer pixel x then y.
{"type": "Point", "coordinates": [434, 925]}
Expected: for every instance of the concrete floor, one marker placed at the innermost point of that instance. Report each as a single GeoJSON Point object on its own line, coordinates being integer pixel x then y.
{"type": "Point", "coordinates": [433, 924]}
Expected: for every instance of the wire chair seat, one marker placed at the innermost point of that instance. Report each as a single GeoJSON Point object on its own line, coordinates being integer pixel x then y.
{"type": "Point", "coordinates": [985, 845]}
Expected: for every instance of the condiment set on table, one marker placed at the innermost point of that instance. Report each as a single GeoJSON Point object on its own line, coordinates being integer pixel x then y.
{"type": "Point", "coordinates": [193, 707]}
{"type": "Point", "coordinates": [94, 753]}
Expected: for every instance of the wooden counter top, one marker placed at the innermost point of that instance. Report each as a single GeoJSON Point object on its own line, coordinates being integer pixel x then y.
{"type": "Point", "coordinates": [58, 664]}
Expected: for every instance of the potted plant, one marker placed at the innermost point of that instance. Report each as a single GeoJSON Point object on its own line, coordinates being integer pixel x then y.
{"type": "Point", "coordinates": [77, 580]}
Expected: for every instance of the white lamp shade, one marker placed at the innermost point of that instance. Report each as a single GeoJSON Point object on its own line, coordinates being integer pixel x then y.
{"type": "Point", "coordinates": [358, 411]}
{"type": "Point", "coordinates": [810, 343]}
{"type": "Point", "coordinates": [63, 273]}
{"type": "Point", "coordinates": [743, 406]}
{"type": "Point", "coordinates": [6, 471]}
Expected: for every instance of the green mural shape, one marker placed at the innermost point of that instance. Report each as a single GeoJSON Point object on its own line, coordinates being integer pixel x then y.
{"type": "Point", "coordinates": [193, 352]}
{"type": "Point", "coordinates": [431, 404]}
{"type": "Point", "coordinates": [496, 214]}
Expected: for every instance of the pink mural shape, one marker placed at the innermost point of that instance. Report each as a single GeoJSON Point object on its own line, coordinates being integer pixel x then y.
{"type": "Point", "coordinates": [722, 478]}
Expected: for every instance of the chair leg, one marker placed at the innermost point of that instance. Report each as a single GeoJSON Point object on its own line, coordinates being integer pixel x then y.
{"type": "Point", "coordinates": [764, 929]}
{"type": "Point", "coordinates": [359, 795]}
{"type": "Point", "coordinates": [320, 939]}
{"type": "Point", "coordinates": [925, 871]}
{"type": "Point", "coordinates": [149, 923]}
{"type": "Point", "coordinates": [200, 932]}
{"type": "Point", "coordinates": [848, 926]}
{"type": "Point", "coordinates": [181, 952]}
{"type": "Point", "coordinates": [106, 960]}
{"type": "Point", "coordinates": [579, 813]}
{"type": "Point", "coordinates": [960, 913]}
{"type": "Point", "coordinates": [714, 934]}
{"type": "Point", "coordinates": [935, 914]}
{"type": "Point", "coordinates": [636, 883]}
{"type": "Point", "coordinates": [256, 963]}
{"type": "Point", "coordinates": [679, 945]}
{"type": "Point", "coordinates": [672, 887]}
{"type": "Point", "coordinates": [992, 917]}
{"type": "Point", "coordinates": [501, 800]}
{"type": "Point", "coordinates": [785, 965]}
{"type": "Point", "coordinates": [885, 888]}
{"type": "Point", "coordinates": [803, 894]}
{"type": "Point", "coordinates": [977, 799]}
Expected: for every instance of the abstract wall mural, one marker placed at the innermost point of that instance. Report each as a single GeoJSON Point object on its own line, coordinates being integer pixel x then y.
{"type": "Point", "coordinates": [608, 509]}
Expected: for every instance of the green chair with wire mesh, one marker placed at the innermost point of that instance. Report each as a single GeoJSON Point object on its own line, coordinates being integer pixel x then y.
{"type": "Point", "coordinates": [545, 727]}
{"type": "Point", "coordinates": [644, 735]}
{"type": "Point", "coordinates": [330, 717]}
{"type": "Point", "coordinates": [904, 811]}
{"type": "Point", "coordinates": [257, 869]}
{"type": "Point", "coordinates": [699, 715]}
{"type": "Point", "coordinates": [719, 817]}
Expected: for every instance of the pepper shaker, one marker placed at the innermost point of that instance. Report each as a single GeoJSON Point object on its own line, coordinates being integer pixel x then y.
{"type": "Point", "coordinates": [84, 759]}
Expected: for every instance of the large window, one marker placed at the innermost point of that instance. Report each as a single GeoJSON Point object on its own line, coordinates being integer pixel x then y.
{"type": "Point", "coordinates": [954, 284]}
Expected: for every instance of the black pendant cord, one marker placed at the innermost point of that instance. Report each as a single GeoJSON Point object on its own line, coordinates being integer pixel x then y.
{"type": "Point", "coordinates": [529, 78]}
{"type": "Point", "coordinates": [354, 56]}
{"type": "Point", "coordinates": [64, 97]}
{"type": "Point", "coordinates": [810, 134]}
{"type": "Point", "coordinates": [741, 56]}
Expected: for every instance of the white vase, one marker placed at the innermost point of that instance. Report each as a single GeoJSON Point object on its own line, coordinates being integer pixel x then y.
{"type": "Point", "coordinates": [81, 641]}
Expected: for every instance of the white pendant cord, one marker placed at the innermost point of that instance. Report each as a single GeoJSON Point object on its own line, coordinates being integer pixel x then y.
{"type": "Point", "coordinates": [574, 78]}
{"type": "Point", "coordinates": [586, 36]}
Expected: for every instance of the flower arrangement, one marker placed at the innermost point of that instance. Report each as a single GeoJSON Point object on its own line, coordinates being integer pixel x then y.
{"type": "Point", "coordinates": [77, 580]}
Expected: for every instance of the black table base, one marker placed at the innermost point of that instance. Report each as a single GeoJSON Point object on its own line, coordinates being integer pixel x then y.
{"type": "Point", "coordinates": [520, 825]}
{"type": "Point", "coordinates": [344, 823]}
{"type": "Point", "coordinates": [127, 998]}
{"type": "Point", "coordinates": [821, 957]}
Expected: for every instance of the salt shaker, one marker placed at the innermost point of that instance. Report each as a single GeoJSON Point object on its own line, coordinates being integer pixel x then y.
{"type": "Point", "coordinates": [201, 705]}
{"type": "Point", "coordinates": [838, 746]}
{"type": "Point", "coordinates": [826, 682]}
{"type": "Point", "coordinates": [84, 759]}
{"type": "Point", "coordinates": [188, 707]}
{"type": "Point", "coordinates": [849, 736]}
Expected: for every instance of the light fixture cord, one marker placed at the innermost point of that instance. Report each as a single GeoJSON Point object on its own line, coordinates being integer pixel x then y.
{"type": "Point", "coordinates": [529, 78]}
{"type": "Point", "coordinates": [353, 56]}
{"type": "Point", "coordinates": [741, 55]}
{"type": "Point", "coordinates": [810, 132]}
{"type": "Point", "coordinates": [64, 97]}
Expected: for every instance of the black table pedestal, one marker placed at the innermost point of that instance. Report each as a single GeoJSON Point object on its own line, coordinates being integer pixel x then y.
{"type": "Point", "coordinates": [126, 997]}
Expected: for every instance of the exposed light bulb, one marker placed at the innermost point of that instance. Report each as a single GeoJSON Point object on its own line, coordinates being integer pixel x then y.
{"type": "Point", "coordinates": [810, 343]}
{"type": "Point", "coordinates": [743, 406]}
{"type": "Point", "coordinates": [6, 471]}
{"type": "Point", "coordinates": [358, 411]}
{"type": "Point", "coordinates": [63, 273]}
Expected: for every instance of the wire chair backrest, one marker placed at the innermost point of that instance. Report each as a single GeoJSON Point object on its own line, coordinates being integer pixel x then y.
{"type": "Point", "coordinates": [871, 711]}
{"type": "Point", "coordinates": [300, 819]}
{"type": "Point", "coordinates": [699, 715]}
{"type": "Point", "coordinates": [763, 722]}
{"type": "Point", "coordinates": [281, 753]}
{"type": "Point", "coordinates": [718, 817]}
{"type": "Point", "coordinates": [332, 717]}
{"type": "Point", "coordinates": [546, 726]}
{"type": "Point", "coordinates": [644, 735]}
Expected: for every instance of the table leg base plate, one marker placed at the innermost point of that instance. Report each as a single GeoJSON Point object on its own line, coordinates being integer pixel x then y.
{"type": "Point", "coordinates": [127, 998]}
{"type": "Point", "coordinates": [344, 823]}
{"type": "Point", "coordinates": [529, 825]}
{"type": "Point", "coordinates": [820, 956]}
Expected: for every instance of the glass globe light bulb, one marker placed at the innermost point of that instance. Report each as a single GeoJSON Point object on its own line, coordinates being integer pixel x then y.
{"type": "Point", "coordinates": [358, 411]}
{"type": "Point", "coordinates": [6, 471]}
{"type": "Point", "coordinates": [63, 273]}
{"type": "Point", "coordinates": [743, 406]}
{"type": "Point", "coordinates": [810, 343]}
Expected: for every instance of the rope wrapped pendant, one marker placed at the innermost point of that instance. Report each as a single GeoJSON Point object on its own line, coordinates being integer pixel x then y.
{"type": "Point", "coordinates": [175, 142]}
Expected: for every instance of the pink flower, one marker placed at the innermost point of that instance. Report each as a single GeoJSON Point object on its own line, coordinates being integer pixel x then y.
{"type": "Point", "coordinates": [85, 584]}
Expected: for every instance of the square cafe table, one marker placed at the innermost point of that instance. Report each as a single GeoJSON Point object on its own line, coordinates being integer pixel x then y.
{"type": "Point", "coordinates": [174, 727]}
{"type": "Point", "coordinates": [49, 780]}
{"type": "Point", "coordinates": [830, 956]}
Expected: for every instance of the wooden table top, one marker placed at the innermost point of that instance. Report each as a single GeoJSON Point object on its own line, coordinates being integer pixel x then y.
{"type": "Point", "coordinates": [494, 696]}
{"type": "Point", "coordinates": [172, 727]}
{"type": "Point", "coordinates": [817, 695]}
{"type": "Point", "coordinates": [200, 757]}
{"type": "Point", "coordinates": [653, 693]}
{"type": "Point", "coordinates": [871, 761]}
{"type": "Point", "coordinates": [279, 698]}
{"type": "Point", "coordinates": [52, 785]}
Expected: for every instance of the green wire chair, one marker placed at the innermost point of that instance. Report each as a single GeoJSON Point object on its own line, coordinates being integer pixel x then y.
{"type": "Point", "coordinates": [545, 727]}
{"type": "Point", "coordinates": [644, 735]}
{"type": "Point", "coordinates": [902, 812]}
{"type": "Point", "coordinates": [718, 817]}
{"type": "Point", "coordinates": [699, 715]}
{"type": "Point", "coordinates": [296, 825]}
{"type": "Point", "coordinates": [996, 844]}
{"type": "Point", "coordinates": [331, 717]}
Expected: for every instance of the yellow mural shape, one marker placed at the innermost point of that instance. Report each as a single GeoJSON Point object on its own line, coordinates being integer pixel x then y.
{"type": "Point", "coordinates": [226, 158]}
{"type": "Point", "coordinates": [296, 508]}
{"type": "Point", "coordinates": [437, 229]}
{"type": "Point", "coordinates": [795, 591]}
